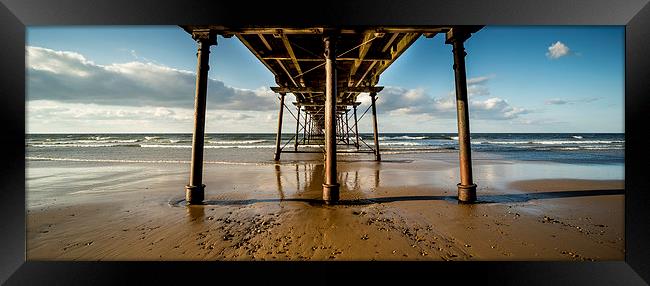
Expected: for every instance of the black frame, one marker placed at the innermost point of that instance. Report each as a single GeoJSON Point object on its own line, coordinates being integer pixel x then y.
{"type": "Point", "coordinates": [16, 14]}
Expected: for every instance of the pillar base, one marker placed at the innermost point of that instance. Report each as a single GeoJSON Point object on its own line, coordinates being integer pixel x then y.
{"type": "Point", "coordinates": [194, 195]}
{"type": "Point", "coordinates": [330, 193]}
{"type": "Point", "coordinates": [466, 193]}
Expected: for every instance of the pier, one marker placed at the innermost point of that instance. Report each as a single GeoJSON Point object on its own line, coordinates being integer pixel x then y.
{"type": "Point", "coordinates": [327, 69]}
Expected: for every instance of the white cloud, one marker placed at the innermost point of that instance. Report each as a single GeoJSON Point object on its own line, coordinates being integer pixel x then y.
{"type": "Point", "coordinates": [539, 122]}
{"type": "Point", "coordinates": [402, 101]}
{"type": "Point", "coordinates": [557, 50]}
{"type": "Point", "coordinates": [58, 62]}
{"type": "Point", "coordinates": [478, 80]}
{"type": "Point", "coordinates": [476, 86]}
{"type": "Point", "coordinates": [70, 77]}
{"type": "Point", "coordinates": [559, 101]}
{"type": "Point", "coordinates": [69, 93]}
{"type": "Point", "coordinates": [53, 116]}
{"type": "Point", "coordinates": [556, 101]}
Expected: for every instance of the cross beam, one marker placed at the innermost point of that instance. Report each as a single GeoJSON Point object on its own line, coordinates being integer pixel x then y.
{"type": "Point", "coordinates": [287, 89]}
{"type": "Point", "coordinates": [316, 104]}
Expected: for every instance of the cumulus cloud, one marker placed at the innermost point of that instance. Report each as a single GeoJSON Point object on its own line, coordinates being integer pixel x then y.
{"type": "Point", "coordinates": [478, 80]}
{"type": "Point", "coordinates": [556, 101]}
{"type": "Point", "coordinates": [402, 101]}
{"type": "Point", "coordinates": [54, 116]}
{"type": "Point", "coordinates": [42, 109]}
{"type": "Point", "coordinates": [559, 101]}
{"type": "Point", "coordinates": [476, 86]}
{"type": "Point", "coordinates": [538, 122]}
{"type": "Point", "coordinates": [70, 77]}
{"type": "Point", "coordinates": [557, 50]}
{"type": "Point", "coordinates": [70, 92]}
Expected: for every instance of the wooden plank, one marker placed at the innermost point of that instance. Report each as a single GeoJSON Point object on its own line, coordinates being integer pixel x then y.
{"type": "Point", "coordinates": [265, 42]}
{"type": "Point", "coordinates": [314, 104]}
{"type": "Point", "coordinates": [366, 73]}
{"type": "Point", "coordinates": [390, 42]}
{"type": "Point", "coordinates": [363, 50]}
{"type": "Point", "coordinates": [400, 47]}
{"type": "Point", "coordinates": [287, 72]}
{"type": "Point", "coordinates": [292, 55]}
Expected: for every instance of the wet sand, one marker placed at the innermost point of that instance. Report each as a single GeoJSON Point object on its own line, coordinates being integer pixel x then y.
{"type": "Point", "coordinates": [394, 210]}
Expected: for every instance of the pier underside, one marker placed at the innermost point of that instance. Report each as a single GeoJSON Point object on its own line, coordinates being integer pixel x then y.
{"type": "Point", "coordinates": [327, 69]}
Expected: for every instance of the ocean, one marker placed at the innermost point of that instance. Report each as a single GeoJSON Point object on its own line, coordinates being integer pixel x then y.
{"type": "Point", "coordinates": [580, 148]}
{"type": "Point", "coordinates": [77, 168]}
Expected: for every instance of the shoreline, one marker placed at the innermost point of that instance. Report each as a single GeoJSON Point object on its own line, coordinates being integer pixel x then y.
{"type": "Point", "coordinates": [403, 210]}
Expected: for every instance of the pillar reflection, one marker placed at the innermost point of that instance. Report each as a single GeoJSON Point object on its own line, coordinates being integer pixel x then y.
{"type": "Point", "coordinates": [278, 175]}
{"type": "Point", "coordinates": [195, 213]}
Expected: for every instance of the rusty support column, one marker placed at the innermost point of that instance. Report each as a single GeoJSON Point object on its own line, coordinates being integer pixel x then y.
{"type": "Point", "coordinates": [343, 136]}
{"type": "Point", "coordinates": [311, 125]}
{"type": "Point", "coordinates": [278, 137]}
{"type": "Point", "coordinates": [347, 127]}
{"type": "Point", "coordinates": [195, 190]}
{"type": "Point", "coordinates": [373, 97]}
{"type": "Point", "coordinates": [295, 147]}
{"type": "Point", "coordinates": [304, 129]}
{"type": "Point", "coordinates": [466, 187]}
{"type": "Point", "coordinates": [342, 117]}
{"type": "Point", "coordinates": [356, 126]}
{"type": "Point", "coordinates": [311, 129]}
{"type": "Point", "coordinates": [330, 185]}
{"type": "Point", "coordinates": [341, 127]}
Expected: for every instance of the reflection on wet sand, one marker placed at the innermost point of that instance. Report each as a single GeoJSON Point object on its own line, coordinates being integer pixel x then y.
{"type": "Point", "coordinates": [302, 182]}
{"type": "Point", "coordinates": [279, 181]}
{"type": "Point", "coordinates": [195, 213]}
{"type": "Point", "coordinates": [308, 180]}
{"type": "Point", "coordinates": [376, 178]}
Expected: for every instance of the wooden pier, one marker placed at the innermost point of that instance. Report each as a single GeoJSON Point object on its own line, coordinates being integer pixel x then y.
{"type": "Point", "coordinates": [327, 69]}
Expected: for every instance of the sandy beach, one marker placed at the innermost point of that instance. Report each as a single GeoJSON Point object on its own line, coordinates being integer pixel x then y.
{"type": "Point", "coordinates": [399, 209]}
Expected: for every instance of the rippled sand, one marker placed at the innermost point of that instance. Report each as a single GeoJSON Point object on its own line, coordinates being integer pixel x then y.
{"type": "Point", "coordinates": [399, 209]}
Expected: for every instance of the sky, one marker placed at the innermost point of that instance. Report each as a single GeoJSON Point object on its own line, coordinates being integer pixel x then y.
{"type": "Point", "coordinates": [141, 79]}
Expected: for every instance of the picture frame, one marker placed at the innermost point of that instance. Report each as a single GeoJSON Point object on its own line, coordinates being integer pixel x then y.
{"type": "Point", "coordinates": [15, 15]}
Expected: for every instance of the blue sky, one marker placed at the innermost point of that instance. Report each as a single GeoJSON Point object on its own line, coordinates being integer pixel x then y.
{"type": "Point", "coordinates": [522, 79]}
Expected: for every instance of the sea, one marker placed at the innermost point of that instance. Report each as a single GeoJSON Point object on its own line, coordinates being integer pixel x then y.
{"type": "Point", "coordinates": [580, 148]}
